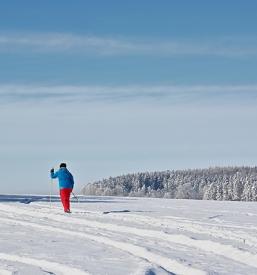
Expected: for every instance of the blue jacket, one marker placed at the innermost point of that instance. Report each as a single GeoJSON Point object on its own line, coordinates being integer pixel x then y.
{"type": "Point", "coordinates": [65, 178]}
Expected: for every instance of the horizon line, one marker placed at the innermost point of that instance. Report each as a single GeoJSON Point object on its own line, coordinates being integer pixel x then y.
{"type": "Point", "coordinates": [125, 93]}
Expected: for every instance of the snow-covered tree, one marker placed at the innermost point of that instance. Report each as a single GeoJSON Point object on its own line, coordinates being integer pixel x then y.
{"type": "Point", "coordinates": [218, 183]}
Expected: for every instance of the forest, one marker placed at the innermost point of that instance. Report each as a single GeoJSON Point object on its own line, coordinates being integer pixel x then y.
{"type": "Point", "coordinates": [218, 183]}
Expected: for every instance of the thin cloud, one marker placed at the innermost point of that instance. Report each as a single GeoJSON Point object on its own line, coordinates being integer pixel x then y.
{"type": "Point", "coordinates": [166, 94]}
{"type": "Point", "coordinates": [93, 45]}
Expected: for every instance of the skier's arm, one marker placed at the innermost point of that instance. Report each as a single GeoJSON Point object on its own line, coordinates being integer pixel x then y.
{"type": "Point", "coordinates": [54, 174]}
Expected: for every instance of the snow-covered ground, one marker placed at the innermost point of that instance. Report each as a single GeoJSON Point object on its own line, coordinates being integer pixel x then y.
{"type": "Point", "coordinates": [116, 236]}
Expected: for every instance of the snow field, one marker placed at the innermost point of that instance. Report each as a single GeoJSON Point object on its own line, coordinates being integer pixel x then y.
{"type": "Point", "coordinates": [140, 252]}
{"type": "Point", "coordinates": [158, 242]}
{"type": "Point", "coordinates": [46, 265]}
{"type": "Point", "coordinates": [5, 272]}
{"type": "Point", "coordinates": [208, 246]}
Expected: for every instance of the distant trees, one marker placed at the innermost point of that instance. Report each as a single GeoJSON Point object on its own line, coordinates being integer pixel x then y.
{"type": "Point", "coordinates": [227, 183]}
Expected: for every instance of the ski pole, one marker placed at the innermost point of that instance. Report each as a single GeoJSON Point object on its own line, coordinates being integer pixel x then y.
{"type": "Point", "coordinates": [75, 197]}
{"type": "Point", "coordinates": [51, 184]}
{"type": "Point", "coordinates": [51, 187]}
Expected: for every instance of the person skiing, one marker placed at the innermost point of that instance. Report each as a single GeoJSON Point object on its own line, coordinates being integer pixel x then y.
{"type": "Point", "coordinates": [66, 183]}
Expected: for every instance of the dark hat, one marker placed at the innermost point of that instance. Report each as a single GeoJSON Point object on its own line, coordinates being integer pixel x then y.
{"type": "Point", "coordinates": [63, 165]}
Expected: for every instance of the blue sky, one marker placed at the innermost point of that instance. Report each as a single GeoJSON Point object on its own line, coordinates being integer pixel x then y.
{"type": "Point", "coordinates": [113, 87]}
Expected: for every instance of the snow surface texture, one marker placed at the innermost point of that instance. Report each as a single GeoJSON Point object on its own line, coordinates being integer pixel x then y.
{"type": "Point", "coordinates": [110, 235]}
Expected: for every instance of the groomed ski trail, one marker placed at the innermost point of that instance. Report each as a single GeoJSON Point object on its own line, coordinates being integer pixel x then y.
{"type": "Point", "coordinates": [166, 263]}
{"type": "Point", "coordinates": [224, 250]}
{"type": "Point", "coordinates": [5, 272]}
{"type": "Point", "coordinates": [48, 266]}
{"type": "Point", "coordinates": [190, 226]}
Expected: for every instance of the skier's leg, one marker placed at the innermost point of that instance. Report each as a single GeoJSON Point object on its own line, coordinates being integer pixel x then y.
{"type": "Point", "coordinates": [62, 195]}
{"type": "Point", "coordinates": [69, 190]}
{"type": "Point", "coordinates": [66, 199]}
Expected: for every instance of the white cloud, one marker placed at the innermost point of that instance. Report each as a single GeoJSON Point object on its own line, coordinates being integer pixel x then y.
{"type": "Point", "coordinates": [176, 94]}
{"type": "Point", "coordinates": [86, 44]}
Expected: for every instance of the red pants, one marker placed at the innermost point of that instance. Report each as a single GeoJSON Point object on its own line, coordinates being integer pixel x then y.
{"type": "Point", "coordinates": [65, 198]}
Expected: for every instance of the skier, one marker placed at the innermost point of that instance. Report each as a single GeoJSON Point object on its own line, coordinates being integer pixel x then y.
{"type": "Point", "coordinates": [66, 184]}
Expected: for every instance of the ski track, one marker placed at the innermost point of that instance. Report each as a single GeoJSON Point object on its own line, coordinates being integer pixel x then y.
{"type": "Point", "coordinates": [164, 262]}
{"type": "Point", "coordinates": [193, 227]}
{"type": "Point", "coordinates": [227, 251]}
{"type": "Point", "coordinates": [5, 272]}
{"type": "Point", "coordinates": [53, 267]}
{"type": "Point", "coordinates": [216, 231]}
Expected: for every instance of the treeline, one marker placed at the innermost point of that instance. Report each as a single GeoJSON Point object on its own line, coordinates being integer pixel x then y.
{"type": "Point", "coordinates": [228, 183]}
